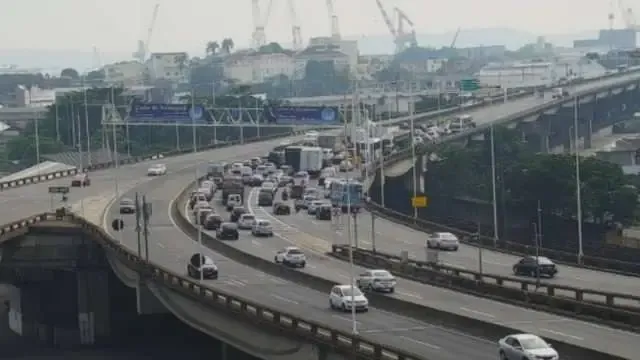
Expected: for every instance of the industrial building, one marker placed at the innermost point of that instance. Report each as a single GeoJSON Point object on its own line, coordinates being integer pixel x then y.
{"type": "Point", "coordinates": [610, 39]}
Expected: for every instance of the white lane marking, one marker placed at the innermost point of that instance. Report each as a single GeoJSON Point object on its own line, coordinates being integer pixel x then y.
{"type": "Point", "coordinates": [235, 282]}
{"type": "Point", "coordinates": [377, 331]}
{"type": "Point", "coordinates": [409, 294]}
{"type": "Point", "coordinates": [284, 299]}
{"type": "Point", "coordinates": [495, 263]}
{"type": "Point", "coordinates": [345, 318]}
{"type": "Point", "coordinates": [423, 343]}
{"type": "Point", "coordinates": [454, 266]}
{"type": "Point", "coordinates": [343, 276]}
{"type": "Point", "coordinates": [256, 243]}
{"type": "Point", "coordinates": [478, 312]}
{"type": "Point", "coordinates": [562, 334]}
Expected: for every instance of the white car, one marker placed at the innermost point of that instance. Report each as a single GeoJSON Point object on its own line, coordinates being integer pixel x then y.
{"type": "Point", "coordinates": [268, 185]}
{"type": "Point", "coordinates": [157, 170]}
{"type": "Point", "coordinates": [291, 256]}
{"type": "Point", "coordinates": [246, 221]}
{"type": "Point", "coordinates": [202, 265]}
{"type": "Point", "coordinates": [199, 206]}
{"type": "Point", "coordinates": [261, 227]}
{"type": "Point", "coordinates": [526, 346]}
{"type": "Point", "coordinates": [377, 280]}
{"type": "Point", "coordinates": [313, 206]}
{"type": "Point", "coordinates": [344, 297]}
{"type": "Point", "coordinates": [443, 241]}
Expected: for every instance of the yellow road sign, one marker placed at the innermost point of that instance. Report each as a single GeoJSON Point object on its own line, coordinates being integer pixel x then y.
{"type": "Point", "coordinates": [419, 201]}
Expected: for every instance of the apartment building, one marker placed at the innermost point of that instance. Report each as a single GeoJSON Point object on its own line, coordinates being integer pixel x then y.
{"type": "Point", "coordinates": [172, 66]}
{"type": "Point", "coordinates": [254, 67]}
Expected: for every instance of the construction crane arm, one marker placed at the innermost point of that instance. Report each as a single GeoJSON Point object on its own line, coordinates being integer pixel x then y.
{"type": "Point", "coordinates": [387, 19]}
{"type": "Point", "coordinates": [152, 25]}
{"type": "Point", "coordinates": [404, 17]}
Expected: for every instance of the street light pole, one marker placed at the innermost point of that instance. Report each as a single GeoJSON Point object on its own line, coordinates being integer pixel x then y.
{"type": "Point", "coordinates": [86, 122]}
{"type": "Point", "coordinates": [493, 188]}
{"type": "Point", "coordinates": [578, 181]}
{"type": "Point", "coordinates": [354, 322]}
{"type": "Point", "coordinates": [413, 148]}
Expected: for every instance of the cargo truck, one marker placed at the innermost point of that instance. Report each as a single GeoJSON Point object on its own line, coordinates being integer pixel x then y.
{"type": "Point", "coordinates": [312, 160]}
{"type": "Point", "coordinates": [232, 185]}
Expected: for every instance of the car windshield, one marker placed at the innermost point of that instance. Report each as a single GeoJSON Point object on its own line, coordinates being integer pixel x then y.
{"type": "Point", "coordinates": [382, 274]}
{"type": "Point", "coordinates": [531, 343]}
{"type": "Point", "coordinates": [229, 226]}
{"type": "Point", "coordinates": [248, 217]}
{"type": "Point", "coordinates": [295, 251]}
{"type": "Point", "coordinates": [126, 202]}
{"type": "Point", "coordinates": [264, 223]}
{"type": "Point", "coordinates": [544, 261]}
{"type": "Point", "coordinates": [347, 292]}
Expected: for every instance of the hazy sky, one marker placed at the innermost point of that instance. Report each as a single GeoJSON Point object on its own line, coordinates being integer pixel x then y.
{"type": "Point", "coordinates": [116, 25]}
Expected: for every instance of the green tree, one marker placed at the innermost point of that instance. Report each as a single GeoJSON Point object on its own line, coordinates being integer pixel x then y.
{"type": "Point", "coordinates": [212, 47]}
{"type": "Point", "coordinates": [22, 149]}
{"type": "Point", "coordinates": [227, 45]}
{"type": "Point", "coordinates": [70, 73]}
{"type": "Point", "coordinates": [271, 48]}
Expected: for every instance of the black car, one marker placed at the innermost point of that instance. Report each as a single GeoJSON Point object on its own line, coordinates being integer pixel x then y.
{"type": "Point", "coordinates": [299, 204]}
{"type": "Point", "coordinates": [212, 222]}
{"type": "Point", "coordinates": [256, 180]}
{"type": "Point", "coordinates": [201, 263]}
{"type": "Point", "coordinates": [529, 266]}
{"type": "Point", "coordinates": [281, 209]}
{"type": "Point", "coordinates": [265, 198]}
{"type": "Point", "coordinates": [227, 231]}
{"type": "Point", "coordinates": [202, 215]}
{"type": "Point", "coordinates": [324, 212]}
{"type": "Point", "coordinates": [236, 213]}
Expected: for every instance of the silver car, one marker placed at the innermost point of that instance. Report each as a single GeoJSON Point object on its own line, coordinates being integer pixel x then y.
{"type": "Point", "coordinates": [525, 346]}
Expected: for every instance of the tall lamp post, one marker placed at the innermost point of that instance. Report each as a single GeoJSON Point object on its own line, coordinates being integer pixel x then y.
{"type": "Point", "coordinates": [578, 181]}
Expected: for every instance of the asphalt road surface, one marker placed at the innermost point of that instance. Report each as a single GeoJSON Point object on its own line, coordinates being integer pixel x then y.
{"type": "Point", "coordinates": [580, 333]}
{"type": "Point", "coordinates": [171, 249]}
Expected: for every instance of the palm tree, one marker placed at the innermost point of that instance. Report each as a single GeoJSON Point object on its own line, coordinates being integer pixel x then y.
{"type": "Point", "coordinates": [212, 47]}
{"type": "Point", "coordinates": [227, 45]}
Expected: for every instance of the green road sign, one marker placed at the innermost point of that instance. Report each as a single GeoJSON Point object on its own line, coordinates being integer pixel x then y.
{"type": "Point", "coordinates": [58, 189]}
{"type": "Point", "coordinates": [469, 84]}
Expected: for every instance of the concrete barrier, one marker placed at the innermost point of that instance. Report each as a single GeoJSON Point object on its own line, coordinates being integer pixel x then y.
{"type": "Point", "coordinates": [419, 312]}
{"type": "Point", "coordinates": [521, 292]}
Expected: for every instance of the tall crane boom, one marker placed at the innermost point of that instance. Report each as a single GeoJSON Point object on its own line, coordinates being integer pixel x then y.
{"type": "Point", "coordinates": [295, 27]}
{"type": "Point", "coordinates": [333, 21]}
{"type": "Point", "coordinates": [386, 18]}
{"type": "Point", "coordinates": [143, 46]}
{"type": "Point", "coordinates": [259, 37]}
{"type": "Point", "coordinates": [404, 38]}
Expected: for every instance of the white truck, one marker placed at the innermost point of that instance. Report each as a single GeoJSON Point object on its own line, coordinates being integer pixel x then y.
{"type": "Point", "coordinates": [311, 160]}
{"type": "Point", "coordinates": [558, 93]}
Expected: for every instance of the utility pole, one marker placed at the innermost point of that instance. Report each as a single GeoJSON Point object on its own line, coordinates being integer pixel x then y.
{"type": "Point", "coordinates": [373, 232]}
{"type": "Point", "coordinates": [143, 214]}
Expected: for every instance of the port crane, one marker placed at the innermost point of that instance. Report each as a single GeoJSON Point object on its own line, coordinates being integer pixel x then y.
{"type": "Point", "coordinates": [628, 16]}
{"type": "Point", "coordinates": [259, 37]}
{"type": "Point", "coordinates": [334, 24]}
{"type": "Point", "coordinates": [143, 46]}
{"type": "Point", "coordinates": [295, 27]}
{"type": "Point", "coordinates": [401, 37]}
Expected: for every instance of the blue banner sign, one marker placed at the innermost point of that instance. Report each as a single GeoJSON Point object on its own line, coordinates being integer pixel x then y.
{"type": "Point", "coordinates": [304, 115]}
{"type": "Point", "coordinates": [168, 113]}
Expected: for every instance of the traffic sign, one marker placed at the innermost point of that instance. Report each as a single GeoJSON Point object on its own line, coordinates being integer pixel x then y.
{"type": "Point", "coordinates": [58, 189]}
{"type": "Point", "coordinates": [419, 201]}
{"type": "Point", "coordinates": [469, 84]}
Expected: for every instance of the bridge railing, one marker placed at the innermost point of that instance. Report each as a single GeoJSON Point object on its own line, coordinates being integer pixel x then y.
{"type": "Point", "coordinates": [249, 310]}
{"type": "Point", "coordinates": [594, 262]}
{"type": "Point", "coordinates": [131, 160]}
{"type": "Point", "coordinates": [614, 309]}
{"type": "Point", "coordinates": [137, 159]}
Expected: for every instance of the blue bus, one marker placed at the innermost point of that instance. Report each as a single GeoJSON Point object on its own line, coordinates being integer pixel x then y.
{"type": "Point", "coordinates": [346, 194]}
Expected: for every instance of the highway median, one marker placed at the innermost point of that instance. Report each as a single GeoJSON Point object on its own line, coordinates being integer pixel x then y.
{"type": "Point", "coordinates": [601, 308]}
{"type": "Point", "coordinates": [459, 322]}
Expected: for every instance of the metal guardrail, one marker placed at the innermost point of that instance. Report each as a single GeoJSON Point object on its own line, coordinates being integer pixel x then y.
{"type": "Point", "coordinates": [218, 300]}
{"type": "Point", "coordinates": [602, 306]}
{"type": "Point", "coordinates": [132, 160]}
{"type": "Point", "coordinates": [589, 262]}
{"type": "Point", "coordinates": [137, 159]}
{"type": "Point", "coordinates": [509, 247]}
{"type": "Point", "coordinates": [463, 323]}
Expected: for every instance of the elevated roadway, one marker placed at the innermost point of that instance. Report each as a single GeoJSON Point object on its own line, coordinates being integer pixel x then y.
{"type": "Point", "coordinates": [171, 248]}
{"type": "Point", "coordinates": [22, 202]}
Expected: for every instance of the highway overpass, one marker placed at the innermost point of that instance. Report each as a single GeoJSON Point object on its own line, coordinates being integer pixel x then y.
{"type": "Point", "coordinates": [98, 197]}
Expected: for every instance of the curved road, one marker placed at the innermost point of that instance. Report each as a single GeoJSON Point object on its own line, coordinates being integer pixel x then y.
{"type": "Point", "coordinates": [392, 238]}
{"type": "Point", "coordinates": [568, 330]}
{"type": "Point", "coordinates": [171, 249]}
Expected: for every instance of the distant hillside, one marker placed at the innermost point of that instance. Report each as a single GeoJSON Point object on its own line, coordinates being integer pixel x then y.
{"type": "Point", "coordinates": [511, 38]}
{"type": "Point", "coordinates": [54, 60]}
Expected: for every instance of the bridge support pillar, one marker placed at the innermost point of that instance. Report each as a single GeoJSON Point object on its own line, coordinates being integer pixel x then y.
{"type": "Point", "coordinates": [588, 128]}
{"type": "Point", "coordinates": [148, 303]}
{"type": "Point", "coordinates": [94, 313]}
{"type": "Point", "coordinates": [223, 351]}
